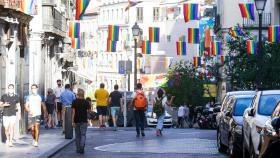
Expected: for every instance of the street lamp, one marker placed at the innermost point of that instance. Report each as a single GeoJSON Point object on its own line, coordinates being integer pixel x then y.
{"type": "Point", "coordinates": [260, 5]}
{"type": "Point", "coordinates": [135, 32]}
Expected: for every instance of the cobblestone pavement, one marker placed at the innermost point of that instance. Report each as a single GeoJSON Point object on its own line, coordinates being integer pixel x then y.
{"type": "Point", "coordinates": [175, 143]}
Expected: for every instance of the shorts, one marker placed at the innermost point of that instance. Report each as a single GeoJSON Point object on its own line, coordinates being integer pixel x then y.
{"type": "Point", "coordinates": [102, 110]}
{"type": "Point", "coordinates": [50, 108]}
{"type": "Point", "coordinates": [34, 120]}
{"type": "Point", "coordinates": [59, 106]}
{"type": "Point", "coordinates": [9, 120]}
{"type": "Point", "coordinates": [115, 111]}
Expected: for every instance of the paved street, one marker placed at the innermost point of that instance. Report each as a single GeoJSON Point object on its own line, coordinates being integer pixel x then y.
{"type": "Point", "coordinates": [123, 143]}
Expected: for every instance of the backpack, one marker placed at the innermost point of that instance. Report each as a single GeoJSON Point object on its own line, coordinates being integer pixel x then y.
{"type": "Point", "coordinates": [158, 108]}
{"type": "Point", "coordinates": [140, 101]}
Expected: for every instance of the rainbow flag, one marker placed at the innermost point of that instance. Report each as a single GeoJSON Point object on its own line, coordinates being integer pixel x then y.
{"type": "Point", "coordinates": [216, 48]}
{"type": "Point", "coordinates": [28, 6]}
{"type": "Point", "coordinates": [247, 10]}
{"type": "Point", "coordinates": [113, 32]}
{"type": "Point", "coordinates": [76, 43]}
{"type": "Point", "coordinates": [154, 34]}
{"type": "Point", "coordinates": [193, 35]}
{"type": "Point", "coordinates": [190, 11]}
{"type": "Point", "coordinates": [196, 61]}
{"type": "Point", "coordinates": [274, 33]}
{"type": "Point", "coordinates": [81, 6]}
{"type": "Point", "coordinates": [146, 47]}
{"type": "Point", "coordinates": [111, 46]}
{"type": "Point", "coordinates": [251, 47]}
{"type": "Point", "coordinates": [235, 31]}
{"type": "Point", "coordinates": [74, 29]}
{"type": "Point", "coordinates": [181, 48]}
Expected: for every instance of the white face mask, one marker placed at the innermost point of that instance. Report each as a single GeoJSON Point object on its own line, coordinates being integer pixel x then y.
{"type": "Point", "coordinates": [34, 91]}
{"type": "Point", "coordinates": [11, 91]}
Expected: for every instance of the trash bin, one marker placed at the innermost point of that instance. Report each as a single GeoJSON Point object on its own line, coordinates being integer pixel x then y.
{"type": "Point", "coordinates": [68, 123]}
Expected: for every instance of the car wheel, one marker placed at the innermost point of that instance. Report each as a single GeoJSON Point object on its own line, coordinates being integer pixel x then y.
{"type": "Point", "coordinates": [221, 147]}
{"type": "Point", "coordinates": [232, 149]}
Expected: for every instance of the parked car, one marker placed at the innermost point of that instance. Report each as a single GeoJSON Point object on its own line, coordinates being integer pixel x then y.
{"type": "Point", "coordinates": [152, 121]}
{"type": "Point", "coordinates": [270, 135]}
{"type": "Point", "coordinates": [230, 125]}
{"type": "Point", "coordinates": [221, 114]}
{"type": "Point", "coordinates": [254, 119]}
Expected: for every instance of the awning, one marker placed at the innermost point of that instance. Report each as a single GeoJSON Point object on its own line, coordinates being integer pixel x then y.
{"type": "Point", "coordinates": [80, 74]}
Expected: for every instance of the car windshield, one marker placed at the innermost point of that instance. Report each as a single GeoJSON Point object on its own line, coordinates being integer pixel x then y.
{"type": "Point", "coordinates": [240, 106]}
{"type": "Point", "coordinates": [268, 103]}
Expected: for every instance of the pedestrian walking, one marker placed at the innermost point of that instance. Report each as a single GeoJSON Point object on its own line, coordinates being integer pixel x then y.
{"type": "Point", "coordinates": [159, 109]}
{"type": "Point", "coordinates": [187, 113]}
{"type": "Point", "coordinates": [80, 109]}
{"type": "Point", "coordinates": [34, 106]}
{"type": "Point", "coordinates": [115, 100]}
{"type": "Point", "coordinates": [101, 96]}
{"type": "Point", "coordinates": [58, 109]}
{"type": "Point", "coordinates": [191, 115]}
{"type": "Point", "coordinates": [140, 104]}
{"type": "Point", "coordinates": [66, 98]}
{"type": "Point", "coordinates": [50, 105]}
{"type": "Point", "coordinates": [181, 115]}
{"type": "Point", "coordinates": [10, 103]}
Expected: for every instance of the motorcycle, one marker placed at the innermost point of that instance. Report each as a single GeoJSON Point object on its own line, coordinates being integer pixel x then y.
{"type": "Point", "coordinates": [204, 119]}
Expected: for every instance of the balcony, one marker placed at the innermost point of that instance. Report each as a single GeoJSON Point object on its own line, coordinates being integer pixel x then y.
{"type": "Point", "coordinates": [48, 2]}
{"type": "Point", "coordinates": [11, 4]}
{"type": "Point", "coordinates": [252, 25]}
{"type": "Point", "coordinates": [53, 21]}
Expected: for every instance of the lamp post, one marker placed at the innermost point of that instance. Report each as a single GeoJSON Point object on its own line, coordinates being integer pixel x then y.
{"type": "Point", "coordinates": [260, 6]}
{"type": "Point", "coordinates": [135, 32]}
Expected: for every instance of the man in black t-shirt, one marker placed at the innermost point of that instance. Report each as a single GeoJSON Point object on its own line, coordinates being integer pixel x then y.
{"type": "Point", "coordinates": [80, 108]}
{"type": "Point", "coordinates": [10, 102]}
{"type": "Point", "coordinates": [115, 100]}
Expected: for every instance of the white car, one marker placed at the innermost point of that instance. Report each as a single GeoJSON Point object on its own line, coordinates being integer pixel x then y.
{"type": "Point", "coordinates": [152, 121]}
{"type": "Point", "coordinates": [254, 120]}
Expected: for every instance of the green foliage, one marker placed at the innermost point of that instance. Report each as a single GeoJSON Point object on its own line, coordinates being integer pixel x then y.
{"type": "Point", "coordinates": [185, 85]}
{"type": "Point", "coordinates": [248, 71]}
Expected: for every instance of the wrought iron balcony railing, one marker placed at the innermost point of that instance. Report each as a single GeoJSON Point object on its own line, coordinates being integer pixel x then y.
{"type": "Point", "coordinates": [254, 24]}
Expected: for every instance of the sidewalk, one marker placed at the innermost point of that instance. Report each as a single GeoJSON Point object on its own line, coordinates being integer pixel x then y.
{"type": "Point", "coordinates": [50, 142]}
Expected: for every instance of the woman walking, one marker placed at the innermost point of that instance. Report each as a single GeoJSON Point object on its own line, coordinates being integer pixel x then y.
{"type": "Point", "coordinates": [80, 108]}
{"type": "Point", "coordinates": [160, 105]}
{"type": "Point", "coordinates": [50, 104]}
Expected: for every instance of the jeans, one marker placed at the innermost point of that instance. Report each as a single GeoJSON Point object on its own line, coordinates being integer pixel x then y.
{"type": "Point", "coordinates": [80, 135]}
{"type": "Point", "coordinates": [160, 122]}
{"type": "Point", "coordinates": [139, 116]}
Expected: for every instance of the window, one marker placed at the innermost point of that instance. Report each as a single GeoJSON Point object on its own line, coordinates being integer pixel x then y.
{"type": "Point", "coordinates": [108, 14]}
{"type": "Point", "coordinates": [121, 17]}
{"type": "Point", "coordinates": [156, 13]}
{"type": "Point", "coordinates": [268, 103]}
{"type": "Point", "coordinates": [139, 17]}
{"type": "Point", "coordinates": [117, 14]}
{"type": "Point", "coordinates": [240, 106]}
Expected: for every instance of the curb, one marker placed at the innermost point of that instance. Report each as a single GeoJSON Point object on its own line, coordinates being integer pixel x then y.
{"type": "Point", "coordinates": [119, 129]}
{"type": "Point", "coordinates": [57, 149]}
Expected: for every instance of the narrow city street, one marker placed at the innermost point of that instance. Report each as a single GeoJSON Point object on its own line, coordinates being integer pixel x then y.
{"type": "Point", "coordinates": [175, 143]}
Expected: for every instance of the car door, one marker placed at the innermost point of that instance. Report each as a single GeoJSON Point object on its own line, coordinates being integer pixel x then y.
{"type": "Point", "coordinates": [226, 120]}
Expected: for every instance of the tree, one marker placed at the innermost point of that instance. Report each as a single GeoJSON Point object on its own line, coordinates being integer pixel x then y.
{"type": "Point", "coordinates": [185, 84]}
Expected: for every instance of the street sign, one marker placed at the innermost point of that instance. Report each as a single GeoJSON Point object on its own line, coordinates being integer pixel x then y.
{"type": "Point", "coordinates": [125, 66]}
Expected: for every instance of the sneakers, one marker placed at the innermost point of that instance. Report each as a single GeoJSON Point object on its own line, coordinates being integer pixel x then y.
{"type": "Point", "coordinates": [35, 144]}
{"type": "Point", "coordinates": [9, 143]}
{"type": "Point", "coordinates": [143, 134]}
{"type": "Point", "coordinates": [157, 133]}
{"type": "Point", "coordinates": [138, 135]}
{"type": "Point", "coordinates": [115, 128]}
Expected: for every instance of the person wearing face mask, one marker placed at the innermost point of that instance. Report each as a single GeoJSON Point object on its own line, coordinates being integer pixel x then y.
{"type": "Point", "coordinates": [10, 102]}
{"type": "Point", "coordinates": [58, 90]}
{"type": "Point", "coordinates": [33, 107]}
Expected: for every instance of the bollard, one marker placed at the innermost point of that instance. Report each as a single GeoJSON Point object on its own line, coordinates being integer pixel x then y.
{"type": "Point", "coordinates": [68, 123]}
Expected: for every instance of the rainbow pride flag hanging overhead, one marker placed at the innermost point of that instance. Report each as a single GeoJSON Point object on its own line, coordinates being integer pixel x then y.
{"type": "Point", "coordinates": [113, 32]}
{"type": "Point", "coordinates": [251, 47]}
{"type": "Point", "coordinates": [181, 48]}
{"type": "Point", "coordinates": [111, 46]}
{"type": "Point", "coordinates": [193, 35]}
{"type": "Point", "coordinates": [146, 47]}
{"type": "Point", "coordinates": [196, 61]}
{"type": "Point", "coordinates": [190, 11]}
{"type": "Point", "coordinates": [216, 48]}
{"type": "Point", "coordinates": [76, 43]}
{"type": "Point", "coordinates": [28, 6]}
{"type": "Point", "coordinates": [247, 10]}
{"type": "Point", "coordinates": [74, 29]}
{"type": "Point", "coordinates": [274, 33]}
{"type": "Point", "coordinates": [154, 34]}
{"type": "Point", "coordinates": [81, 6]}
{"type": "Point", "coordinates": [235, 31]}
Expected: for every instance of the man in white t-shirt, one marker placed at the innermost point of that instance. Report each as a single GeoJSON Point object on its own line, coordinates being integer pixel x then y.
{"type": "Point", "coordinates": [181, 115]}
{"type": "Point", "coordinates": [58, 90]}
{"type": "Point", "coordinates": [33, 107]}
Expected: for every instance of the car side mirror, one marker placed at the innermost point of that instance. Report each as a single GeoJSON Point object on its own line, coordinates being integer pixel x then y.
{"type": "Point", "coordinates": [251, 112]}
{"type": "Point", "coordinates": [217, 109]}
{"type": "Point", "coordinates": [275, 123]}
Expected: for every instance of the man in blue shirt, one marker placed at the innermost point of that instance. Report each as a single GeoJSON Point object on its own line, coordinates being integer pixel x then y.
{"type": "Point", "coordinates": [66, 98]}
